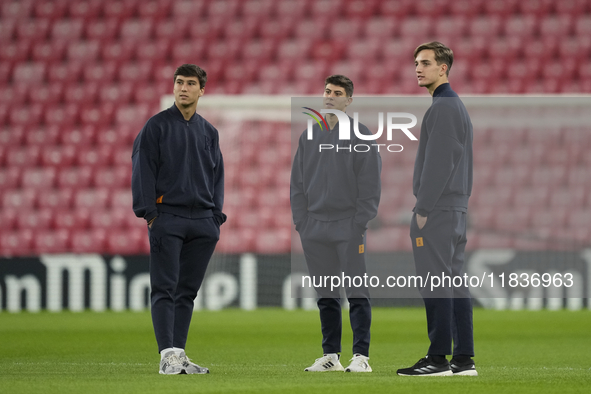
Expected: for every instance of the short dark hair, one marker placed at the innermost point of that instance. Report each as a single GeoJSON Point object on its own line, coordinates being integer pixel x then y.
{"type": "Point", "coordinates": [342, 81]}
{"type": "Point", "coordinates": [443, 55]}
{"type": "Point", "coordinates": [191, 70]}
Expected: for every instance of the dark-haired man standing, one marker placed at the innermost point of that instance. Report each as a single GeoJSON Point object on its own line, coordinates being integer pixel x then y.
{"type": "Point", "coordinates": [178, 188]}
{"type": "Point", "coordinates": [334, 194]}
{"type": "Point", "coordinates": [442, 184]}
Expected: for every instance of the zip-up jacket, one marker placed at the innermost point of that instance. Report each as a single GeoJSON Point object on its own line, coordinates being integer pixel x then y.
{"type": "Point", "coordinates": [442, 176]}
{"type": "Point", "coordinates": [178, 168]}
{"type": "Point", "coordinates": [331, 185]}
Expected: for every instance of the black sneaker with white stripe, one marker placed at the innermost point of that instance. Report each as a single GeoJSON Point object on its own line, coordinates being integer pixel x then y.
{"type": "Point", "coordinates": [427, 367]}
{"type": "Point", "coordinates": [463, 368]}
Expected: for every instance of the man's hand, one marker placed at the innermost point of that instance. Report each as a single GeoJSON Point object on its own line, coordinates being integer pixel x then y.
{"type": "Point", "coordinates": [421, 221]}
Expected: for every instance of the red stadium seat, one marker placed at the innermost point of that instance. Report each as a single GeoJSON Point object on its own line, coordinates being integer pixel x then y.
{"type": "Point", "coordinates": [125, 242]}
{"type": "Point", "coordinates": [549, 219]}
{"type": "Point", "coordinates": [15, 52]}
{"type": "Point", "coordinates": [19, 198]}
{"type": "Point", "coordinates": [575, 7]}
{"type": "Point", "coordinates": [101, 73]}
{"type": "Point", "coordinates": [121, 198]}
{"type": "Point", "coordinates": [95, 156]}
{"type": "Point", "coordinates": [49, 51]}
{"type": "Point", "coordinates": [209, 29]}
{"type": "Point", "coordinates": [260, 9]}
{"type": "Point", "coordinates": [89, 241]}
{"type": "Point", "coordinates": [91, 198]}
{"type": "Point", "coordinates": [453, 26]}
{"type": "Point", "coordinates": [156, 9]}
{"type": "Point", "coordinates": [102, 115]}
{"type": "Point", "coordinates": [116, 92]}
{"type": "Point", "coordinates": [113, 177]}
{"type": "Point", "coordinates": [171, 29]}
{"type": "Point", "coordinates": [122, 156]}
{"type": "Point", "coordinates": [103, 29]}
{"type": "Point", "coordinates": [292, 9]}
{"type": "Point", "coordinates": [261, 50]}
{"type": "Point", "coordinates": [80, 136]}
{"type": "Point", "coordinates": [44, 137]}
{"type": "Point", "coordinates": [73, 219]}
{"type": "Point", "coordinates": [535, 7]}
{"type": "Point", "coordinates": [520, 26]}
{"type": "Point", "coordinates": [294, 50]}
{"type": "Point", "coordinates": [536, 197]}
{"type": "Point", "coordinates": [27, 156]}
{"type": "Point", "coordinates": [345, 29]}
{"type": "Point", "coordinates": [276, 241]}
{"type": "Point", "coordinates": [189, 8]}
{"type": "Point", "coordinates": [65, 72]}
{"type": "Point", "coordinates": [484, 26]}
{"type": "Point", "coordinates": [388, 239]}
{"type": "Point", "coordinates": [58, 156]}
{"type": "Point", "coordinates": [51, 241]}
{"type": "Point", "coordinates": [29, 115]}
{"type": "Point", "coordinates": [74, 177]}
{"type": "Point", "coordinates": [468, 8]}
{"type": "Point", "coordinates": [119, 52]}
{"type": "Point", "coordinates": [226, 50]}
{"type": "Point", "coordinates": [10, 95]}
{"type": "Point", "coordinates": [47, 94]}
{"type": "Point", "coordinates": [556, 25]}
{"type": "Point", "coordinates": [8, 218]}
{"type": "Point", "coordinates": [109, 219]}
{"type": "Point", "coordinates": [9, 177]}
{"type": "Point", "coordinates": [56, 198]}
{"type": "Point", "coordinates": [38, 177]}
{"type": "Point", "coordinates": [512, 220]}
{"type": "Point", "coordinates": [7, 28]}
{"type": "Point", "coordinates": [86, 8]}
{"type": "Point", "coordinates": [235, 241]}
{"type": "Point", "coordinates": [67, 29]}
{"type": "Point", "coordinates": [137, 29]}
{"type": "Point", "coordinates": [277, 29]}
{"type": "Point", "coordinates": [16, 243]}
{"type": "Point", "coordinates": [86, 52]}
{"type": "Point", "coordinates": [119, 9]}
{"type": "Point", "coordinates": [132, 115]}
{"type": "Point", "coordinates": [36, 29]}
{"type": "Point", "coordinates": [572, 198]}
{"type": "Point", "coordinates": [35, 219]}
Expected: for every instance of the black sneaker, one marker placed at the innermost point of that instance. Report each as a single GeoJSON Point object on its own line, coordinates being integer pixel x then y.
{"type": "Point", "coordinates": [426, 367]}
{"type": "Point", "coordinates": [466, 368]}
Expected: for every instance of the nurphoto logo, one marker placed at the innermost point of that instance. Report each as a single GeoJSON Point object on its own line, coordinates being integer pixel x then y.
{"type": "Point", "coordinates": [345, 129]}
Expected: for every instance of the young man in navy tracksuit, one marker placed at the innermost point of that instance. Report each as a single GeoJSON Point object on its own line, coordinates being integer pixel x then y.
{"type": "Point", "coordinates": [178, 188]}
{"type": "Point", "coordinates": [442, 184]}
{"type": "Point", "coordinates": [334, 194]}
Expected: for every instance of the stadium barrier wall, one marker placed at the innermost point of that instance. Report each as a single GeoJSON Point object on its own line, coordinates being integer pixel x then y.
{"type": "Point", "coordinates": [97, 282]}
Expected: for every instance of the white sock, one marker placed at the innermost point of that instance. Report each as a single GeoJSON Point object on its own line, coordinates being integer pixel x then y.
{"type": "Point", "coordinates": [333, 355]}
{"type": "Point", "coordinates": [164, 351]}
{"type": "Point", "coordinates": [178, 350]}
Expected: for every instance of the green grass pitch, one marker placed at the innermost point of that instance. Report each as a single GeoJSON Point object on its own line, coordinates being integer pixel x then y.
{"type": "Point", "coordinates": [266, 351]}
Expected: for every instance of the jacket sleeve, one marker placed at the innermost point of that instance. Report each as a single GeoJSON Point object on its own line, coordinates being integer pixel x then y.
{"type": "Point", "coordinates": [218, 196]}
{"type": "Point", "coordinates": [368, 167]}
{"type": "Point", "coordinates": [442, 154]}
{"type": "Point", "coordinates": [299, 202]}
{"type": "Point", "coordinates": [144, 174]}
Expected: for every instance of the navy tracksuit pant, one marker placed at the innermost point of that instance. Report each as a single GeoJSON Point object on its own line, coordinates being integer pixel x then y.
{"type": "Point", "coordinates": [180, 250]}
{"type": "Point", "coordinates": [334, 248]}
{"type": "Point", "coordinates": [438, 249]}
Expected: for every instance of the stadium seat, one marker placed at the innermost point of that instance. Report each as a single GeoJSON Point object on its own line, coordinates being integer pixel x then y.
{"type": "Point", "coordinates": [35, 219]}
{"type": "Point", "coordinates": [502, 8]}
{"type": "Point", "coordinates": [292, 9]}
{"type": "Point", "coordinates": [16, 243]}
{"type": "Point", "coordinates": [512, 220]}
{"type": "Point", "coordinates": [8, 218]}
{"type": "Point", "coordinates": [556, 25]}
{"type": "Point", "coordinates": [67, 72]}
{"type": "Point", "coordinates": [453, 27]}
{"type": "Point", "coordinates": [67, 29]}
{"type": "Point", "coordinates": [26, 156]}
{"type": "Point", "coordinates": [33, 29]}
{"type": "Point", "coordinates": [38, 177]}
{"type": "Point", "coordinates": [109, 219]}
{"type": "Point", "coordinates": [76, 220]}
{"type": "Point", "coordinates": [277, 29]}
{"type": "Point", "coordinates": [572, 198]}
{"type": "Point", "coordinates": [91, 198]}
{"type": "Point", "coordinates": [15, 51]}
{"type": "Point", "coordinates": [44, 137]}
{"type": "Point", "coordinates": [520, 26]}
{"type": "Point", "coordinates": [116, 92]}
{"type": "Point", "coordinates": [55, 198]}
{"type": "Point", "coordinates": [113, 177]}
{"type": "Point", "coordinates": [136, 29]}
{"type": "Point", "coordinates": [88, 9]}
{"type": "Point", "coordinates": [260, 9]}
{"type": "Point", "coordinates": [236, 241]}
{"type": "Point", "coordinates": [19, 198]}
{"type": "Point", "coordinates": [121, 198]}
{"type": "Point", "coordinates": [95, 156]}
{"type": "Point", "coordinates": [58, 156]}
{"type": "Point", "coordinates": [9, 177]}
{"type": "Point", "coordinates": [89, 241]}
{"type": "Point", "coordinates": [49, 52]}
{"type": "Point", "coordinates": [262, 50]}
{"type": "Point", "coordinates": [125, 242]}
{"type": "Point", "coordinates": [101, 115]}
{"type": "Point", "coordinates": [51, 241]}
{"type": "Point", "coordinates": [74, 177]}
{"type": "Point", "coordinates": [63, 116]}
{"type": "Point", "coordinates": [277, 241]}
{"type": "Point", "coordinates": [80, 136]}
{"type": "Point", "coordinates": [102, 72]}
{"type": "Point", "coordinates": [119, 9]}
{"type": "Point", "coordinates": [102, 29]}
{"type": "Point", "coordinates": [85, 51]}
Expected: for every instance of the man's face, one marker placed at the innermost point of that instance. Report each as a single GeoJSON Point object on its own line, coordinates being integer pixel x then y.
{"type": "Point", "coordinates": [335, 97]}
{"type": "Point", "coordinates": [428, 72]}
{"type": "Point", "coordinates": [187, 90]}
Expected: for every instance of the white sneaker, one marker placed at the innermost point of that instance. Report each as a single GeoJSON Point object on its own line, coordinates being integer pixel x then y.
{"type": "Point", "coordinates": [359, 364]}
{"type": "Point", "coordinates": [328, 362]}
{"type": "Point", "coordinates": [171, 365]}
{"type": "Point", "coordinates": [190, 367]}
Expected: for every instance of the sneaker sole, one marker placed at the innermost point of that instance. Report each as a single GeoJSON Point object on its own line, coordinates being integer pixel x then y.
{"type": "Point", "coordinates": [469, 372]}
{"type": "Point", "coordinates": [324, 370]}
{"type": "Point", "coordinates": [444, 373]}
{"type": "Point", "coordinates": [350, 370]}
